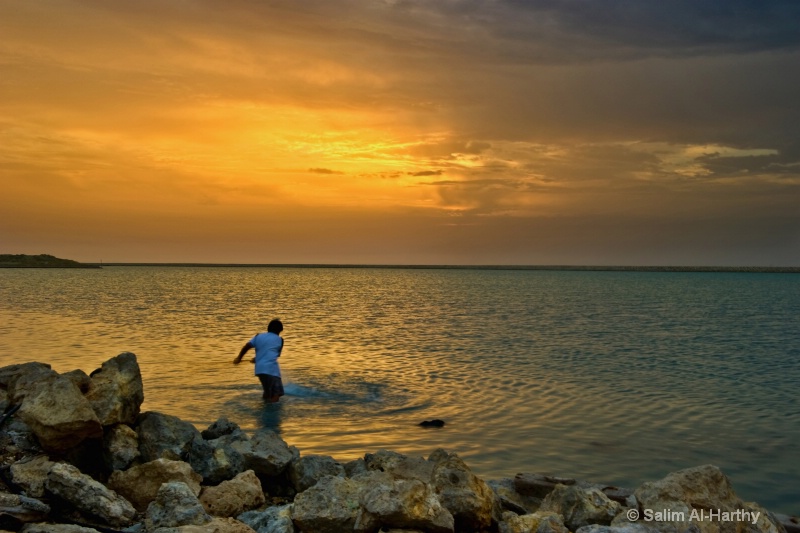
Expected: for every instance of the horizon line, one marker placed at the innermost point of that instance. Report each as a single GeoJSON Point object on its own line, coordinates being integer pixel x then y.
{"type": "Point", "coordinates": [609, 268]}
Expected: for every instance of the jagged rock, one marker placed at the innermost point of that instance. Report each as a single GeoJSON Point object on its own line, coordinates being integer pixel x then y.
{"type": "Point", "coordinates": [79, 378]}
{"type": "Point", "coordinates": [17, 440]}
{"type": "Point", "coordinates": [56, 528]}
{"type": "Point", "coordinates": [30, 474]}
{"type": "Point", "coordinates": [306, 471]}
{"type": "Point", "coordinates": [579, 506]}
{"type": "Point", "coordinates": [22, 508]}
{"type": "Point", "coordinates": [89, 496]}
{"type": "Point", "coordinates": [116, 392]}
{"type": "Point", "coordinates": [330, 506]}
{"type": "Point", "coordinates": [165, 437]}
{"type": "Point", "coordinates": [217, 525]}
{"type": "Point", "coordinates": [9, 375]}
{"type": "Point", "coordinates": [405, 503]}
{"type": "Point", "coordinates": [400, 466]}
{"type": "Point", "coordinates": [140, 484]}
{"type": "Point", "coordinates": [218, 460]}
{"type": "Point", "coordinates": [233, 497]}
{"type": "Point", "coordinates": [55, 410]}
{"type": "Point", "coordinates": [120, 447]}
{"type": "Point", "coordinates": [355, 467]}
{"type": "Point", "coordinates": [699, 488]}
{"type": "Point", "coordinates": [220, 428]}
{"type": "Point", "coordinates": [469, 499]}
{"type": "Point", "coordinates": [275, 519]}
{"type": "Point", "coordinates": [175, 505]}
{"type": "Point", "coordinates": [539, 522]}
{"type": "Point", "coordinates": [266, 453]}
{"type": "Point", "coordinates": [510, 499]}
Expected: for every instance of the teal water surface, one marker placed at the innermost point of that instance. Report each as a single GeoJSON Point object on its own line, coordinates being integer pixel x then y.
{"type": "Point", "coordinates": [613, 377]}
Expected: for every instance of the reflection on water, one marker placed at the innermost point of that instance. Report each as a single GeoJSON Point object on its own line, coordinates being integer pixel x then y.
{"type": "Point", "coordinates": [613, 377]}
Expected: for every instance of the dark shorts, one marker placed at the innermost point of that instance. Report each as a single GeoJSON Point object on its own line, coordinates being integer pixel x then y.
{"type": "Point", "coordinates": [273, 386]}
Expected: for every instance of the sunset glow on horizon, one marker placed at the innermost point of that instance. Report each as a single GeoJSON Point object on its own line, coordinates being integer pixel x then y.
{"type": "Point", "coordinates": [452, 132]}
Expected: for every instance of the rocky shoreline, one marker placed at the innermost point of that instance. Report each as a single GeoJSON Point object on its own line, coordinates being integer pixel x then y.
{"type": "Point", "coordinates": [78, 456]}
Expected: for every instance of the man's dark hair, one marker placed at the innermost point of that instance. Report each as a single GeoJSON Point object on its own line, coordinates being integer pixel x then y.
{"type": "Point", "coordinates": [275, 326]}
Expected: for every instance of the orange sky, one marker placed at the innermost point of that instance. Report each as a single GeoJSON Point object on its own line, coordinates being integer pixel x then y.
{"type": "Point", "coordinates": [435, 132]}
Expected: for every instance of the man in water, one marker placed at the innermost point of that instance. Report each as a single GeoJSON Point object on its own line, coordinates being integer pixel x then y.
{"type": "Point", "coordinates": [268, 348]}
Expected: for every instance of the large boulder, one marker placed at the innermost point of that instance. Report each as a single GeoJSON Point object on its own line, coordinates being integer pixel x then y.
{"type": "Point", "coordinates": [683, 499]}
{"type": "Point", "coordinates": [233, 497]}
{"type": "Point", "coordinates": [164, 436]}
{"type": "Point", "coordinates": [9, 375]}
{"type": "Point", "coordinates": [120, 447]}
{"type": "Point", "coordinates": [266, 453]}
{"type": "Point", "coordinates": [218, 459]}
{"type": "Point", "coordinates": [400, 466]}
{"type": "Point", "coordinates": [30, 474]}
{"type": "Point", "coordinates": [89, 496]}
{"type": "Point", "coordinates": [116, 392]}
{"type": "Point", "coordinates": [473, 504]}
{"type": "Point", "coordinates": [405, 504]}
{"type": "Point", "coordinates": [306, 471]}
{"type": "Point", "coordinates": [175, 505]}
{"type": "Point", "coordinates": [330, 506]}
{"type": "Point", "coordinates": [580, 506]}
{"type": "Point", "coordinates": [140, 484]}
{"type": "Point", "coordinates": [56, 411]}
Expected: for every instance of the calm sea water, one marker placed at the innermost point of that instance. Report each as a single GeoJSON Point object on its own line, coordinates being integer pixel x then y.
{"type": "Point", "coordinates": [614, 377]}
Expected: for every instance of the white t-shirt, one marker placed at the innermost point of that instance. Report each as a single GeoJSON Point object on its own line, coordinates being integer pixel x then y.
{"type": "Point", "coordinates": [268, 348]}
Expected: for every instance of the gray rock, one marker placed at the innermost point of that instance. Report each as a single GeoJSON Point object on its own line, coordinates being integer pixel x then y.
{"type": "Point", "coordinates": [469, 499]}
{"type": "Point", "coordinates": [220, 428]}
{"type": "Point", "coordinates": [510, 499]}
{"type": "Point", "coordinates": [116, 392]}
{"type": "Point", "coordinates": [140, 483]}
{"type": "Point", "coordinates": [9, 375]}
{"type": "Point", "coordinates": [233, 497]}
{"type": "Point", "coordinates": [580, 506]}
{"type": "Point", "coordinates": [23, 508]}
{"type": "Point", "coordinates": [175, 505]}
{"type": "Point", "coordinates": [306, 471]}
{"type": "Point", "coordinates": [635, 527]}
{"type": "Point", "coordinates": [407, 504]}
{"type": "Point", "coordinates": [219, 459]}
{"type": "Point", "coordinates": [355, 467]}
{"type": "Point", "coordinates": [266, 453]}
{"type": "Point", "coordinates": [400, 466]}
{"type": "Point", "coordinates": [330, 506]}
{"type": "Point", "coordinates": [31, 474]}
{"type": "Point", "coordinates": [165, 437]}
{"type": "Point", "coordinates": [79, 378]}
{"type": "Point", "coordinates": [275, 519]}
{"type": "Point", "coordinates": [88, 496]}
{"type": "Point", "coordinates": [120, 447]}
{"type": "Point", "coordinates": [55, 410]}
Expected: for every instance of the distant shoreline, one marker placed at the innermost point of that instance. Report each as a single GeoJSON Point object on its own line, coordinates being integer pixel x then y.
{"type": "Point", "coordinates": [594, 268]}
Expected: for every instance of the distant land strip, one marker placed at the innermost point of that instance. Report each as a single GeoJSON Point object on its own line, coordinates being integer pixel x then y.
{"type": "Point", "coordinates": [40, 261]}
{"type": "Point", "coordinates": [589, 268]}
